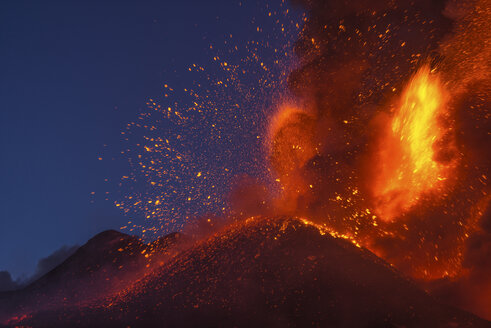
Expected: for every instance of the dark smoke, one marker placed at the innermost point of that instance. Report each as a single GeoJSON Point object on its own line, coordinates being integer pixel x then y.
{"type": "Point", "coordinates": [472, 290]}
{"type": "Point", "coordinates": [44, 266]}
{"type": "Point", "coordinates": [51, 261]}
{"type": "Point", "coordinates": [6, 282]}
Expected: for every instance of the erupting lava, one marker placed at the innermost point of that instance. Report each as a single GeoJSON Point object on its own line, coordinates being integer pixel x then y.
{"type": "Point", "coordinates": [410, 185]}
{"type": "Point", "coordinates": [407, 180]}
{"type": "Point", "coordinates": [407, 161]}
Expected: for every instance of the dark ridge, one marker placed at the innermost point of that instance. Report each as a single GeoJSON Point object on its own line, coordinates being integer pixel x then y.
{"type": "Point", "coordinates": [106, 262]}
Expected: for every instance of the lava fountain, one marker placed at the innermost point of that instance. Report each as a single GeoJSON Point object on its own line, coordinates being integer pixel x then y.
{"type": "Point", "coordinates": [407, 166]}
{"type": "Point", "coordinates": [393, 148]}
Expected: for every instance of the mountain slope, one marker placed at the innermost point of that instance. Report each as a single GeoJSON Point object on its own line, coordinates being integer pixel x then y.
{"type": "Point", "coordinates": [265, 272]}
{"type": "Point", "coordinates": [109, 260]}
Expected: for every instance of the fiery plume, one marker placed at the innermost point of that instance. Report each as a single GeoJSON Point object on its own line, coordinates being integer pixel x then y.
{"type": "Point", "coordinates": [407, 164]}
{"type": "Point", "coordinates": [390, 145]}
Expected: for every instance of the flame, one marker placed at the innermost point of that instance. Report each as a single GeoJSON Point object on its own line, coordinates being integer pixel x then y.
{"type": "Point", "coordinates": [406, 164]}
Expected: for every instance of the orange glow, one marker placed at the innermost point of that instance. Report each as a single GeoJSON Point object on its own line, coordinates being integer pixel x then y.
{"type": "Point", "coordinates": [291, 139]}
{"type": "Point", "coordinates": [291, 145]}
{"type": "Point", "coordinates": [323, 229]}
{"type": "Point", "coordinates": [406, 165]}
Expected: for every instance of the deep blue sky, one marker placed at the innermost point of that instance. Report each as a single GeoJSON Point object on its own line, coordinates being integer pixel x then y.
{"type": "Point", "coordinates": [72, 74]}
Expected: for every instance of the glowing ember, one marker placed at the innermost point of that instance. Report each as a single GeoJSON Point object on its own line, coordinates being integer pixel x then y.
{"type": "Point", "coordinates": [408, 186]}
{"type": "Point", "coordinates": [407, 161]}
{"type": "Point", "coordinates": [189, 143]}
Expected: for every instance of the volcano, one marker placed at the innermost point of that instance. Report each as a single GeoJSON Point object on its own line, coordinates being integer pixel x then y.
{"type": "Point", "coordinates": [256, 272]}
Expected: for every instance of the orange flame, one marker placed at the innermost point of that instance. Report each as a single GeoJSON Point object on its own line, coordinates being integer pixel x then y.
{"type": "Point", "coordinates": [407, 168]}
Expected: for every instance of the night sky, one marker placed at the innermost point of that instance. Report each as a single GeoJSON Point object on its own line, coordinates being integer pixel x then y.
{"type": "Point", "coordinates": [73, 74]}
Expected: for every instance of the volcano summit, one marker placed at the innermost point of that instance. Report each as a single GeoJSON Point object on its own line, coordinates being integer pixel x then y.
{"type": "Point", "coordinates": [257, 272]}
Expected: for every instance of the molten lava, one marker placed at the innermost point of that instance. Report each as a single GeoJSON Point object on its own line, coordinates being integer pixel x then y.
{"type": "Point", "coordinates": [407, 165]}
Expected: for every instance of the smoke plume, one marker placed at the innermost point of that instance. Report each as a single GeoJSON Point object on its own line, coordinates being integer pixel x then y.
{"type": "Point", "coordinates": [387, 139]}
